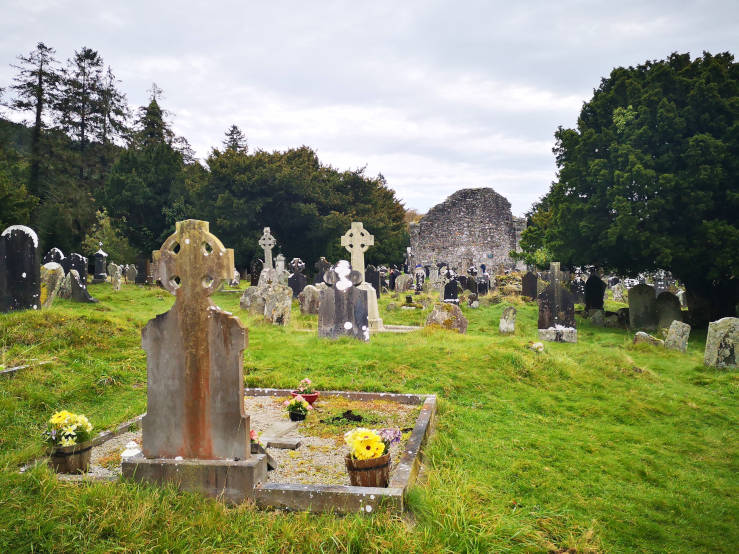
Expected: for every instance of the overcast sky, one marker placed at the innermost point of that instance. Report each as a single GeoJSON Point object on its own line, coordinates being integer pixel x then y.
{"type": "Point", "coordinates": [436, 96]}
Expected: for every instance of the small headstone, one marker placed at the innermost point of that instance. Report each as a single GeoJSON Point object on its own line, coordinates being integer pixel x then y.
{"type": "Point", "coordinates": [236, 279]}
{"type": "Point", "coordinates": [343, 306]}
{"type": "Point", "coordinates": [668, 310]}
{"type": "Point", "coordinates": [618, 292]}
{"type": "Point", "coordinates": [321, 266]}
{"type": "Point", "coordinates": [100, 258]}
{"type": "Point", "coordinates": [642, 308]}
{"type": "Point", "coordinates": [52, 275]}
{"type": "Point", "coordinates": [722, 343]}
{"type": "Point", "coordinates": [252, 300]}
{"type": "Point", "coordinates": [392, 277]}
{"type": "Point", "coordinates": [597, 318]}
{"type": "Point", "coordinates": [297, 281]}
{"type": "Point", "coordinates": [20, 272]}
{"type": "Point", "coordinates": [451, 288]}
{"type": "Point", "coordinates": [131, 273]}
{"type": "Point", "coordinates": [79, 291]}
{"type": "Point", "coordinates": [508, 320]}
{"type": "Point", "coordinates": [594, 291]}
{"type": "Point", "coordinates": [447, 316]}
{"type": "Point", "coordinates": [116, 277]}
{"type": "Point", "coordinates": [677, 336]}
{"type": "Point", "coordinates": [310, 300]}
{"type": "Point", "coordinates": [404, 282]}
{"type": "Point", "coordinates": [641, 336]}
{"type": "Point", "coordinates": [277, 304]}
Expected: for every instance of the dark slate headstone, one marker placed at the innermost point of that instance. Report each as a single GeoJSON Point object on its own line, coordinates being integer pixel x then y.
{"type": "Point", "coordinates": [297, 281]}
{"type": "Point", "coordinates": [342, 310]}
{"type": "Point", "coordinates": [528, 285]}
{"type": "Point", "coordinates": [451, 289]}
{"type": "Point", "coordinates": [20, 270]}
{"type": "Point", "coordinates": [642, 308]}
{"type": "Point", "coordinates": [255, 271]}
{"type": "Point", "coordinates": [100, 259]}
{"type": "Point", "coordinates": [594, 291]}
{"type": "Point", "coordinates": [54, 255]}
{"type": "Point", "coordinates": [321, 266]}
{"type": "Point", "coordinates": [668, 310]}
{"type": "Point", "coordinates": [394, 272]}
{"type": "Point", "coordinates": [483, 285]}
{"type": "Point", "coordinates": [372, 276]}
{"type": "Point", "coordinates": [79, 289]}
{"type": "Point", "coordinates": [556, 307]}
{"type": "Point", "coordinates": [79, 263]}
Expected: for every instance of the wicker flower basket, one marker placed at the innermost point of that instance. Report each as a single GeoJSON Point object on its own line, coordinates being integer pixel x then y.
{"type": "Point", "coordinates": [71, 459]}
{"type": "Point", "coordinates": [374, 472]}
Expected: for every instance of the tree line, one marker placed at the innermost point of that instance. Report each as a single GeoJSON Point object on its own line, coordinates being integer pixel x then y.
{"type": "Point", "coordinates": [85, 168]}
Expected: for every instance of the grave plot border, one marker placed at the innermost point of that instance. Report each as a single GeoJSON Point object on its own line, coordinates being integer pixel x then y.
{"type": "Point", "coordinates": [350, 499]}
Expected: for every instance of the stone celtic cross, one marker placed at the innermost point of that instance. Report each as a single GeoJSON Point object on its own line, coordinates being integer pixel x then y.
{"type": "Point", "coordinates": [357, 240]}
{"type": "Point", "coordinates": [268, 243]}
{"type": "Point", "coordinates": [194, 355]}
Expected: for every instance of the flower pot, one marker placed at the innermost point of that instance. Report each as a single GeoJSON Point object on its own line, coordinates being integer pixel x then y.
{"type": "Point", "coordinates": [71, 459]}
{"type": "Point", "coordinates": [309, 398]}
{"type": "Point", "coordinates": [374, 472]}
{"type": "Point", "coordinates": [296, 417]}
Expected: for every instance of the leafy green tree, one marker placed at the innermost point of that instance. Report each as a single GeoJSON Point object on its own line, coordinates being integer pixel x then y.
{"type": "Point", "coordinates": [16, 204]}
{"type": "Point", "coordinates": [649, 179]}
{"type": "Point", "coordinates": [114, 243]}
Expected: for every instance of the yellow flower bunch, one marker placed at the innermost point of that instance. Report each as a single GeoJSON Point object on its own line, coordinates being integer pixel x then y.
{"type": "Point", "coordinates": [364, 443]}
{"type": "Point", "coordinates": [65, 428]}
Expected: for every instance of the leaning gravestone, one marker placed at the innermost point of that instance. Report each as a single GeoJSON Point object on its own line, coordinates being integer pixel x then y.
{"type": "Point", "coordinates": [508, 320]}
{"type": "Point", "coordinates": [343, 305]}
{"type": "Point", "coordinates": [20, 274]}
{"type": "Point", "coordinates": [100, 257]}
{"type": "Point", "coordinates": [594, 291]}
{"type": "Point", "coordinates": [309, 299]}
{"type": "Point", "coordinates": [78, 290]}
{"type": "Point", "coordinates": [195, 431]}
{"type": "Point", "coordinates": [52, 275]}
{"type": "Point", "coordinates": [528, 285]}
{"type": "Point", "coordinates": [79, 263]}
{"type": "Point", "coordinates": [642, 308]}
{"type": "Point", "coordinates": [722, 343]}
{"type": "Point", "coordinates": [668, 310]}
{"type": "Point", "coordinates": [297, 281]}
{"type": "Point", "coordinates": [677, 336]}
{"type": "Point", "coordinates": [357, 241]}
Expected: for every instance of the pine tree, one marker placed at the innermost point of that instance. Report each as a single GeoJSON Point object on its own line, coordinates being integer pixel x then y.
{"type": "Point", "coordinates": [236, 140]}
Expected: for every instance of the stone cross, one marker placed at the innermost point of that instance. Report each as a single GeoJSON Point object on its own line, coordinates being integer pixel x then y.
{"type": "Point", "coordinates": [194, 355]}
{"type": "Point", "coordinates": [357, 240]}
{"type": "Point", "coordinates": [555, 275]}
{"type": "Point", "coordinates": [267, 242]}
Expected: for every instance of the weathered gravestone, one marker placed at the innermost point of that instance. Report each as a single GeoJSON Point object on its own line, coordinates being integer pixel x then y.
{"type": "Point", "coordinates": [594, 290]}
{"type": "Point", "coordinates": [54, 255]}
{"type": "Point", "coordinates": [272, 301]}
{"type": "Point", "coordinates": [677, 336]}
{"type": "Point", "coordinates": [297, 281]}
{"type": "Point", "coordinates": [722, 342]}
{"type": "Point", "coordinates": [100, 258]}
{"type": "Point", "coordinates": [642, 308]}
{"type": "Point", "coordinates": [357, 241]}
{"type": "Point", "coordinates": [508, 320]}
{"type": "Point", "coordinates": [78, 289]}
{"type": "Point", "coordinates": [447, 316]}
{"type": "Point", "coordinates": [483, 284]}
{"type": "Point", "coordinates": [618, 292]}
{"type": "Point", "coordinates": [372, 276]}
{"type": "Point", "coordinates": [403, 283]}
{"type": "Point", "coordinates": [310, 300]}
{"type": "Point", "coordinates": [52, 275]}
{"type": "Point", "coordinates": [556, 311]}
{"type": "Point", "coordinates": [116, 277]}
{"type": "Point", "coordinates": [20, 273]}
{"type": "Point", "coordinates": [281, 274]}
{"type": "Point", "coordinates": [267, 242]}
{"type": "Point", "coordinates": [235, 279]}
{"type": "Point", "coordinates": [255, 271]}
{"type": "Point", "coordinates": [419, 278]}
{"type": "Point", "coordinates": [321, 267]}
{"type": "Point", "coordinates": [79, 263]}
{"type": "Point", "coordinates": [195, 431]}
{"type": "Point", "coordinates": [528, 285]}
{"type": "Point", "coordinates": [131, 273]}
{"type": "Point", "coordinates": [668, 310]}
{"type": "Point", "coordinates": [343, 307]}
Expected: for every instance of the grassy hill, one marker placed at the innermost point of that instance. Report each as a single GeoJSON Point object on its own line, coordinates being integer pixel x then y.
{"type": "Point", "coordinates": [597, 446]}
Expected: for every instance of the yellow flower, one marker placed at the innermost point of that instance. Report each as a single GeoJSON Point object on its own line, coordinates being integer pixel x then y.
{"type": "Point", "coordinates": [67, 441]}
{"type": "Point", "coordinates": [365, 449]}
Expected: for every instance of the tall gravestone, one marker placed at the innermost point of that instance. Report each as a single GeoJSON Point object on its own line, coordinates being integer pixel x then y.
{"type": "Point", "coordinates": [419, 278]}
{"type": "Point", "coordinates": [100, 258]}
{"type": "Point", "coordinates": [255, 271]}
{"type": "Point", "coordinates": [195, 431]}
{"type": "Point", "coordinates": [297, 281]}
{"type": "Point", "coordinates": [595, 288]}
{"type": "Point", "coordinates": [642, 308]}
{"type": "Point", "coordinates": [556, 321]}
{"type": "Point", "coordinates": [372, 276]}
{"type": "Point", "coordinates": [20, 270]}
{"type": "Point", "coordinates": [357, 241]}
{"type": "Point", "coordinates": [528, 285]}
{"type": "Point", "coordinates": [343, 306]}
{"type": "Point", "coordinates": [668, 310]}
{"type": "Point", "coordinates": [267, 242]}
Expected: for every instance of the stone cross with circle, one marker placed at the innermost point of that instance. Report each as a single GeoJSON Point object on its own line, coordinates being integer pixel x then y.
{"type": "Point", "coordinates": [267, 242]}
{"type": "Point", "coordinates": [357, 240]}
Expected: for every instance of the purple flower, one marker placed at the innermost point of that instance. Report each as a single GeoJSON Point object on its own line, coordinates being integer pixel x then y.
{"type": "Point", "coordinates": [389, 436]}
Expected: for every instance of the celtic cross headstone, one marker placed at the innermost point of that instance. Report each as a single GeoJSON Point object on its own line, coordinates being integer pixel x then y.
{"type": "Point", "coordinates": [357, 241]}
{"type": "Point", "coordinates": [267, 242]}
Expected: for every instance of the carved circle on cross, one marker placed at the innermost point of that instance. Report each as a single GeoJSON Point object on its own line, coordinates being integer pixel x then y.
{"type": "Point", "coordinates": [192, 260]}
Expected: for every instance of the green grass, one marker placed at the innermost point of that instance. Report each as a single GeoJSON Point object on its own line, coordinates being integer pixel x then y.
{"type": "Point", "coordinates": [597, 446]}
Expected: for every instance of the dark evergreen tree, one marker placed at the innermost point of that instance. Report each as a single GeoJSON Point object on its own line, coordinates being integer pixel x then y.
{"type": "Point", "coordinates": [235, 140]}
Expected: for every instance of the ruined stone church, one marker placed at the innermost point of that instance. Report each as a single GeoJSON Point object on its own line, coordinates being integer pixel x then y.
{"type": "Point", "coordinates": [471, 227]}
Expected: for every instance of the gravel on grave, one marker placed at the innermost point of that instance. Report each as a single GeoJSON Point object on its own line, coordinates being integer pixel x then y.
{"type": "Point", "coordinates": [317, 461]}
